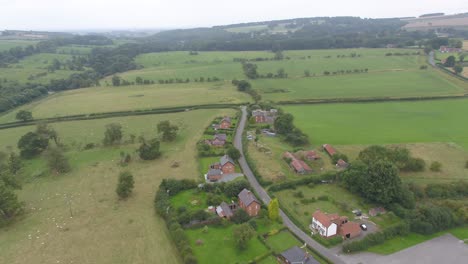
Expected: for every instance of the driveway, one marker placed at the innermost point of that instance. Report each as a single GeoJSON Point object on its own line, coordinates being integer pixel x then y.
{"type": "Point", "coordinates": [445, 249]}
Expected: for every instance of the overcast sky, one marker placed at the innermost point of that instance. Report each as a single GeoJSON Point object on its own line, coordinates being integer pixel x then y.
{"type": "Point", "coordinates": [135, 14]}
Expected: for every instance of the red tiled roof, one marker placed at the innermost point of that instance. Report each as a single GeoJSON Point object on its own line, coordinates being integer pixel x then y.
{"type": "Point", "coordinates": [304, 165]}
{"type": "Point", "coordinates": [341, 163]}
{"type": "Point", "coordinates": [331, 151]}
{"type": "Point", "coordinates": [323, 218]}
{"type": "Point", "coordinates": [311, 154]}
{"type": "Point", "coordinates": [289, 155]}
{"type": "Point", "coordinates": [351, 228]}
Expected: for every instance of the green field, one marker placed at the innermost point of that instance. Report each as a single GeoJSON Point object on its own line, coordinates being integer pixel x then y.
{"type": "Point", "coordinates": [378, 84]}
{"type": "Point", "coordinates": [102, 229]}
{"type": "Point", "coordinates": [6, 44]}
{"type": "Point", "coordinates": [33, 65]}
{"type": "Point", "coordinates": [383, 123]}
{"type": "Point", "coordinates": [109, 99]}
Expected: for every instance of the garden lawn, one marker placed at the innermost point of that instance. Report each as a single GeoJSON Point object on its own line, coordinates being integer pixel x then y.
{"type": "Point", "coordinates": [77, 217]}
{"type": "Point", "coordinates": [282, 241]}
{"type": "Point", "coordinates": [128, 98]}
{"type": "Point", "coordinates": [219, 246]}
{"type": "Point", "coordinates": [384, 123]}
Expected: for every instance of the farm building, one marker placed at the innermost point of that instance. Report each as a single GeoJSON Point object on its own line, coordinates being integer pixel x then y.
{"type": "Point", "coordinates": [342, 164]}
{"type": "Point", "coordinates": [311, 155]}
{"type": "Point", "coordinates": [329, 149]}
{"type": "Point", "coordinates": [248, 202]}
{"type": "Point", "coordinates": [300, 166]}
{"type": "Point", "coordinates": [376, 211]}
{"type": "Point", "coordinates": [225, 210]}
{"type": "Point", "coordinates": [445, 49]}
{"type": "Point", "coordinates": [289, 155]}
{"type": "Point", "coordinates": [296, 255]}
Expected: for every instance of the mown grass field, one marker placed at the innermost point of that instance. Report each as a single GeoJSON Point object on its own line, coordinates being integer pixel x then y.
{"type": "Point", "coordinates": [6, 44]}
{"type": "Point", "coordinates": [33, 65]}
{"type": "Point", "coordinates": [109, 99]}
{"type": "Point", "coordinates": [101, 229]}
{"type": "Point", "coordinates": [384, 123]}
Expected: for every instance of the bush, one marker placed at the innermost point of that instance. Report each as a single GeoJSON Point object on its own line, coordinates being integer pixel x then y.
{"type": "Point", "coordinates": [125, 184]}
{"type": "Point", "coordinates": [240, 216]}
{"type": "Point", "coordinates": [298, 194]}
{"type": "Point", "coordinates": [436, 166]}
{"type": "Point", "coordinates": [323, 198]}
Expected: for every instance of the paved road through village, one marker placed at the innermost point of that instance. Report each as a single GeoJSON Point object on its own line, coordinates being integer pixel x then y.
{"type": "Point", "coordinates": [266, 198]}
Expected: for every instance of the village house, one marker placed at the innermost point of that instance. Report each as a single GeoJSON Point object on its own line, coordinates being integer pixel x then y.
{"type": "Point", "coordinates": [225, 166]}
{"type": "Point", "coordinates": [264, 116]}
{"type": "Point", "coordinates": [248, 202]}
{"type": "Point", "coordinates": [225, 210]}
{"type": "Point", "coordinates": [296, 255]}
{"type": "Point", "coordinates": [329, 225]}
{"type": "Point", "coordinates": [445, 49]}
{"type": "Point", "coordinates": [225, 123]}
{"type": "Point", "coordinates": [329, 149]}
{"type": "Point", "coordinates": [219, 140]}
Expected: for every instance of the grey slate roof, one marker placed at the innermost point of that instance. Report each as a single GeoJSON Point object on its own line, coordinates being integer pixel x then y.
{"type": "Point", "coordinates": [214, 172]}
{"type": "Point", "coordinates": [222, 137]}
{"type": "Point", "coordinates": [247, 197]}
{"type": "Point", "coordinates": [298, 256]}
{"type": "Point", "coordinates": [225, 159]}
{"type": "Point", "coordinates": [226, 209]}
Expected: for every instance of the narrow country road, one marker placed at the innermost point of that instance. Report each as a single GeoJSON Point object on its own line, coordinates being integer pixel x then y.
{"type": "Point", "coordinates": [327, 253]}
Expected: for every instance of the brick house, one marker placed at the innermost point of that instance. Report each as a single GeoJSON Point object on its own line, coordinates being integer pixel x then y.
{"type": "Point", "coordinates": [265, 116]}
{"type": "Point", "coordinates": [445, 49]}
{"type": "Point", "coordinates": [216, 171]}
{"type": "Point", "coordinates": [225, 123]}
{"type": "Point", "coordinates": [248, 202]}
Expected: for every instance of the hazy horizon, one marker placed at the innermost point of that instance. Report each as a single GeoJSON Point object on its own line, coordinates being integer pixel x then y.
{"type": "Point", "coordinates": [87, 15]}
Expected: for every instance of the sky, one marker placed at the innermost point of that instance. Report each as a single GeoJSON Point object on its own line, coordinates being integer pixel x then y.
{"type": "Point", "coordinates": [147, 14]}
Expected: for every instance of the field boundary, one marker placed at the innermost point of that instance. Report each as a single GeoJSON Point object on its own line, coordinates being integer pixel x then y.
{"type": "Point", "coordinates": [93, 116]}
{"type": "Point", "coordinates": [371, 99]}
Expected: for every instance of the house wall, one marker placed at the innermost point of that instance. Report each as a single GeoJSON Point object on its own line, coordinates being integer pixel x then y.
{"type": "Point", "coordinates": [253, 209]}
{"type": "Point", "coordinates": [324, 231]}
{"type": "Point", "coordinates": [228, 168]}
{"type": "Point", "coordinates": [225, 125]}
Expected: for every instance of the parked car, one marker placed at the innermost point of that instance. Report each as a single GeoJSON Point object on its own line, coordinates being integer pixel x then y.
{"type": "Point", "coordinates": [363, 227]}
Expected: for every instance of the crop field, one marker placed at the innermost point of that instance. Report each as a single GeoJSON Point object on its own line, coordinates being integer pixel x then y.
{"type": "Point", "coordinates": [384, 123]}
{"type": "Point", "coordinates": [34, 65]}
{"type": "Point", "coordinates": [378, 84]}
{"type": "Point", "coordinates": [77, 218]}
{"type": "Point", "coordinates": [108, 99]}
{"type": "Point", "coordinates": [6, 44]}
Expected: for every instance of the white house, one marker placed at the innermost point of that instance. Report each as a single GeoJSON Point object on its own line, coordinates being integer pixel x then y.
{"type": "Point", "coordinates": [324, 224]}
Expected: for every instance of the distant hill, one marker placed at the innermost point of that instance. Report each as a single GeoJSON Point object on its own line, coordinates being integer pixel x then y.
{"type": "Point", "coordinates": [437, 21]}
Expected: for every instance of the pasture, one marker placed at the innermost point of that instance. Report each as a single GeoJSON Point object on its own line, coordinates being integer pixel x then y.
{"type": "Point", "coordinates": [6, 44]}
{"type": "Point", "coordinates": [383, 123]}
{"type": "Point", "coordinates": [407, 83]}
{"type": "Point", "coordinates": [109, 99]}
{"type": "Point", "coordinates": [34, 69]}
{"type": "Point", "coordinates": [77, 218]}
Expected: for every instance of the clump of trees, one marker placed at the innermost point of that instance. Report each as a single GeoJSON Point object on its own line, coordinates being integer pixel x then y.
{"type": "Point", "coordinates": [113, 134]}
{"type": "Point", "coordinates": [34, 143]}
{"type": "Point", "coordinates": [167, 130]}
{"type": "Point", "coordinates": [125, 185]}
{"type": "Point", "coordinates": [242, 235]}
{"type": "Point", "coordinates": [150, 150]}
{"type": "Point", "coordinates": [10, 206]}
{"type": "Point", "coordinates": [24, 115]}
{"type": "Point", "coordinates": [284, 126]}
{"type": "Point", "coordinates": [401, 157]}
{"type": "Point", "coordinates": [246, 87]}
{"type": "Point", "coordinates": [250, 70]}
{"type": "Point", "coordinates": [57, 160]}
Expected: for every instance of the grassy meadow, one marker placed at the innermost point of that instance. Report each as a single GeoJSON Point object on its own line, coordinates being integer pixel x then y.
{"type": "Point", "coordinates": [77, 218]}
{"type": "Point", "coordinates": [384, 123]}
{"type": "Point", "coordinates": [34, 65]}
{"type": "Point", "coordinates": [6, 44]}
{"type": "Point", "coordinates": [109, 99]}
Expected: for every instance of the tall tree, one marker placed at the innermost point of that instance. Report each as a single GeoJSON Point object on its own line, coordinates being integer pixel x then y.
{"type": "Point", "coordinates": [242, 234]}
{"type": "Point", "coordinates": [32, 144]}
{"type": "Point", "coordinates": [168, 130]}
{"type": "Point", "coordinates": [273, 209]}
{"type": "Point", "coordinates": [14, 163]}
{"type": "Point", "coordinates": [383, 185]}
{"type": "Point", "coordinates": [450, 61]}
{"type": "Point", "coordinates": [125, 184]}
{"type": "Point", "coordinates": [24, 115]}
{"type": "Point", "coordinates": [113, 134]}
{"type": "Point", "coordinates": [284, 124]}
{"type": "Point", "coordinates": [57, 161]}
{"type": "Point", "coordinates": [9, 204]}
{"type": "Point", "coordinates": [150, 150]}
{"type": "Point", "coordinates": [233, 153]}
